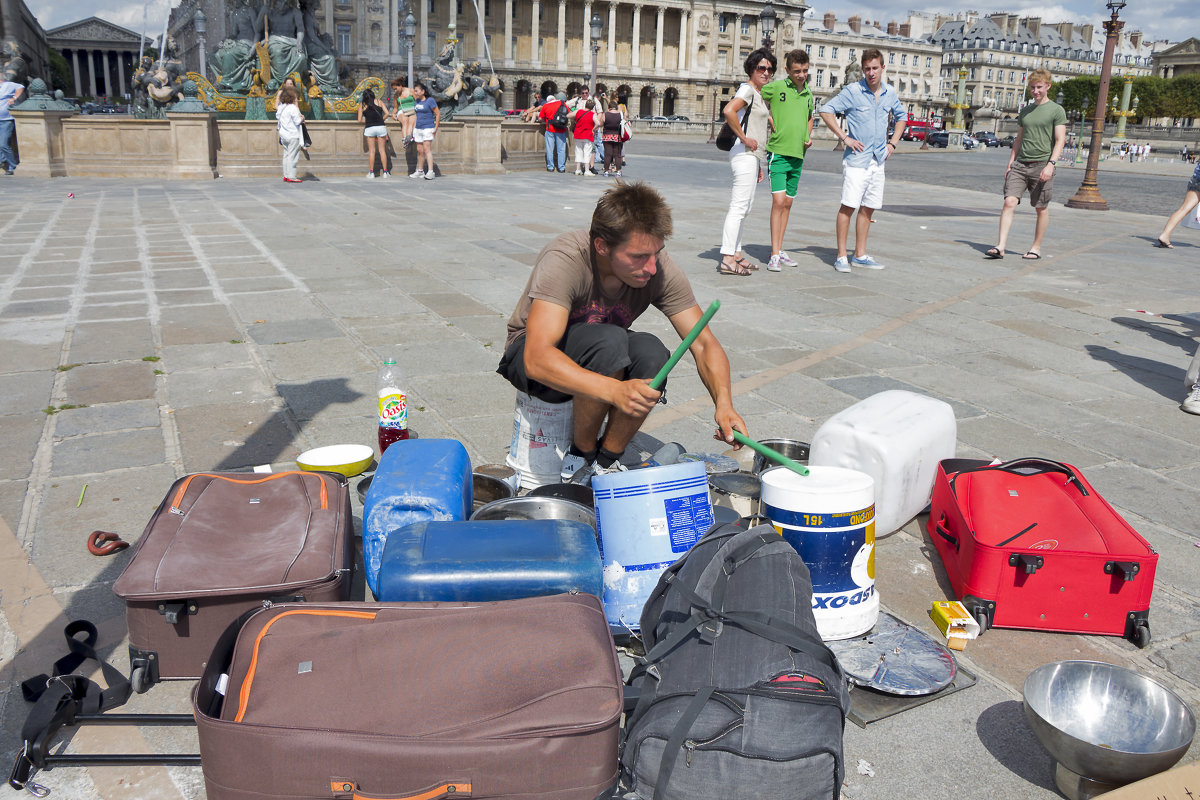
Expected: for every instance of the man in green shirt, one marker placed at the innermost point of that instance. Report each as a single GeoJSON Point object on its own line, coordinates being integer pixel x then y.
{"type": "Point", "coordinates": [790, 102]}
{"type": "Point", "coordinates": [1032, 163]}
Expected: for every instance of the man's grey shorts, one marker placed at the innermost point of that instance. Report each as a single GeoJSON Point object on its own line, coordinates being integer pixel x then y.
{"type": "Point", "coordinates": [605, 349]}
{"type": "Point", "coordinates": [1027, 175]}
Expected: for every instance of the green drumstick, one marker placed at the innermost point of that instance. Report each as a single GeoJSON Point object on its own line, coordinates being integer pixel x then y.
{"type": "Point", "coordinates": [684, 345]}
{"type": "Point", "coordinates": [798, 468]}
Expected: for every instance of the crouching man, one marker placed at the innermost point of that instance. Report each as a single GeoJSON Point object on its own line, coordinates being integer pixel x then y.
{"type": "Point", "coordinates": [570, 338]}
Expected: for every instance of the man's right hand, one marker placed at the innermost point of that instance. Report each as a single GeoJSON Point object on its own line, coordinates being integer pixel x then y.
{"type": "Point", "coordinates": [634, 397]}
{"type": "Point", "coordinates": [854, 144]}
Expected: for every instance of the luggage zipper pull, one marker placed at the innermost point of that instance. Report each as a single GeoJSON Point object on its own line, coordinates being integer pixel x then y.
{"type": "Point", "coordinates": [690, 746]}
{"type": "Point", "coordinates": [175, 510]}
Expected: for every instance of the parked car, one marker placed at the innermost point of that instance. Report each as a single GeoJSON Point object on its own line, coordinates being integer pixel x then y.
{"type": "Point", "coordinates": [938, 139]}
{"type": "Point", "coordinates": [678, 118]}
{"type": "Point", "coordinates": [986, 138]}
{"type": "Point", "coordinates": [970, 142]}
{"type": "Point", "coordinates": [1007, 141]}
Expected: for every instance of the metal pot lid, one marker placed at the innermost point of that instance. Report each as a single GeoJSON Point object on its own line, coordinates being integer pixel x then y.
{"type": "Point", "coordinates": [896, 658]}
{"type": "Point", "coordinates": [714, 463]}
{"type": "Point", "coordinates": [736, 483]}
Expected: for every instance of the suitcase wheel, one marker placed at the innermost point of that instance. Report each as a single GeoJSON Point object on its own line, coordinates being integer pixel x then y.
{"type": "Point", "coordinates": [139, 680]}
{"type": "Point", "coordinates": [981, 616]}
{"type": "Point", "coordinates": [1141, 636]}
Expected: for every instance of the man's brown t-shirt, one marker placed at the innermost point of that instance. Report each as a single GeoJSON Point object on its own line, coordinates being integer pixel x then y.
{"type": "Point", "coordinates": [565, 274]}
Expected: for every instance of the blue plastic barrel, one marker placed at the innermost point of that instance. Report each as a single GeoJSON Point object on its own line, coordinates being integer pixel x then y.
{"type": "Point", "coordinates": [646, 519]}
{"type": "Point", "coordinates": [418, 480]}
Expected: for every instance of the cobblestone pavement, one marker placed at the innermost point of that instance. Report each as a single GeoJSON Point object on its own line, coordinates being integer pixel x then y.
{"type": "Point", "coordinates": [176, 327]}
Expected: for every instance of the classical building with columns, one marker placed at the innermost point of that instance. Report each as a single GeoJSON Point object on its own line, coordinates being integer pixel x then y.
{"type": "Point", "coordinates": [101, 54]}
{"type": "Point", "coordinates": [1182, 58]}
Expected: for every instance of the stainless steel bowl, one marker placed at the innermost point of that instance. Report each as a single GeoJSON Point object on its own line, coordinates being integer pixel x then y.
{"type": "Point", "coordinates": [537, 508]}
{"type": "Point", "coordinates": [568, 491]}
{"type": "Point", "coordinates": [488, 489]}
{"type": "Point", "coordinates": [793, 449]}
{"type": "Point", "coordinates": [1105, 724]}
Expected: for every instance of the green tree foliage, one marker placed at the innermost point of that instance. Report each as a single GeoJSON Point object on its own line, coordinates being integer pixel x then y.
{"type": "Point", "coordinates": [60, 72]}
{"type": "Point", "coordinates": [1182, 96]}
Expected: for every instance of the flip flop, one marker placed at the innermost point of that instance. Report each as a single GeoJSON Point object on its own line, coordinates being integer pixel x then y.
{"type": "Point", "coordinates": [1031, 256]}
{"type": "Point", "coordinates": [1163, 245]}
{"type": "Point", "coordinates": [732, 269]}
{"type": "Point", "coordinates": [993, 252]}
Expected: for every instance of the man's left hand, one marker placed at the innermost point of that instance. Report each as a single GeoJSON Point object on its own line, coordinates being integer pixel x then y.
{"type": "Point", "coordinates": [1047, 172]}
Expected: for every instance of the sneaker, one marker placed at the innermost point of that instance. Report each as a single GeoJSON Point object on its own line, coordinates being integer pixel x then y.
{"type": "Point", "coordinates": [370, 176]}
{"type": "Point", "coordinates": [774, 264]}
{"type": "Point", "coordinates": [571, 464]}
{"type": "Point", "coordinates": [587, 174]}
{"type": "Point", "coordinates": [549, 169]}
{"type": "Point", "coordinates": [418, 174]}
{"type": "Point", "coordinates": [578, 172]}
{"type": "Point", "coordinates": [606, 173]}
{"type": "Point", "coordinates": [786, 260]}
{"type": "Point", "coordinates": [866, 262]}
{"type": "Point", "coordinates": [616, 174]}
{"type": "Point", "coordinates": [429, 176]}
{"type": "Point", "coordinates": [385, 175]}
{"type": "Point", "coordinates": [841, 264]}
{"type": "Point", "coordinates": [1191, 403]}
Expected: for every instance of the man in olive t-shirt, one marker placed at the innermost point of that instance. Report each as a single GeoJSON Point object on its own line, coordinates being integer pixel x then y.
{"type": "Point", "coordinates": [569, 336]}
{"type": "Point", "coordinates": [1032, 163]}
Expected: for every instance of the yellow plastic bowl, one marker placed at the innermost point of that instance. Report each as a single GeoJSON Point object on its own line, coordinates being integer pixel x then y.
{"type": "Point", "coordinates": [345, 459]}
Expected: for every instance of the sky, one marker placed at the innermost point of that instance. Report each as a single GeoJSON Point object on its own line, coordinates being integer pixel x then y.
{"type": "Point", "coordinates": [1174, 20]}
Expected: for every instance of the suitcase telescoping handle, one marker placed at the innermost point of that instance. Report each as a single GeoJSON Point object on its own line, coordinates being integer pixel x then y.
{"type": "Point", "coordinates": [342, 788]}
{"type": "Point", "coordinates": [1038, 465]}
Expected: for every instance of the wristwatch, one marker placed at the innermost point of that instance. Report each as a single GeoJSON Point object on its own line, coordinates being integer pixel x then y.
{"type": "Point", "coordinates": [1053, 163]}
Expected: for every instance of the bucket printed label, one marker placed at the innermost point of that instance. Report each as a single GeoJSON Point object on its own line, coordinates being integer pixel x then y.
{"type": "Point", "coordinates": [686, 521]}
{"type": "Point", "coordinates": [839, 549]}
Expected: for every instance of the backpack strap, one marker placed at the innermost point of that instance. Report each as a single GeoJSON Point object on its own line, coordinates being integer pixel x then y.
{"type": "Point", "coordinates": [675, 742]}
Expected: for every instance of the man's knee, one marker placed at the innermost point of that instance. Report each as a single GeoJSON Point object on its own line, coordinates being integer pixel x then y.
{"type": "Point", "coordinates": [647, 355]}
{"type": "Point", "coordinates": [1011, 202]}
{"type": "Point", "coordinates": [599, 348]}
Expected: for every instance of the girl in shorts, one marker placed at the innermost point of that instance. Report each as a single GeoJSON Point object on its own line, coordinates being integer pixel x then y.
{"type": "Point", "coordinates": [428, 119]}
{"type": "Point", "coordinates": [372, 114]}
{"type": "Point", "coordinates": [404, 108]}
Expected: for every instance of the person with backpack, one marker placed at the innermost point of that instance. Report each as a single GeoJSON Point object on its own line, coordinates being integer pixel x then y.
{"type": "Point", "coordinates": [584, 124]}
{"type": "Point", "coordinates": [556, 116]}
{"type": "Point", "coordinates": [746, 114]}
{"type": "Point", "coordinates": [610, 127]}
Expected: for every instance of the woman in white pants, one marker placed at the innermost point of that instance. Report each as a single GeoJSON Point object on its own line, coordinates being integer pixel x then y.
{"type": "Point", "coordinates": [288, 120]}
{"type": "Point", "coordinates": [747, 115]}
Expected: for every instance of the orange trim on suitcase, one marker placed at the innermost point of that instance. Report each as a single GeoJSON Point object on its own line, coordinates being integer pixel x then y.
{"type": "Point", "coordinates": [183, 487]}
{"type": "Point", "coordinates": [452, 789]}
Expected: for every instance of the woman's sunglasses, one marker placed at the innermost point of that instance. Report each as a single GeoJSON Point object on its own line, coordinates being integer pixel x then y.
{"type": "Point", "coordinates": [767, 70]}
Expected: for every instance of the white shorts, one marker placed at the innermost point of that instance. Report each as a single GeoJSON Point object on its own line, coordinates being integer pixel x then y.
{"type": "Point", "coordinates": [375, 132]}
{"type": "Point", "coordinates": [862, 186]}
{"type": "Point", "coordinates": [423, 134]}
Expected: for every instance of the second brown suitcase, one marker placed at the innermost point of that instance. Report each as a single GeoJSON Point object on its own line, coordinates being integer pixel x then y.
{"type": "Point", "coordinates": [220, 544]}
{"type": "Point", "coordinates": [513, 699]}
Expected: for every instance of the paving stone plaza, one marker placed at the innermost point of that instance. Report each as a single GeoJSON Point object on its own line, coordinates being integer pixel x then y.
{"type": "Point", "coordinates": [149, 329]}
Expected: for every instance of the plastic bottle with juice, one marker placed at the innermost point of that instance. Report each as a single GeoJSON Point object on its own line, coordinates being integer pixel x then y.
{"type": "Point", "coordinates": [393, 406]}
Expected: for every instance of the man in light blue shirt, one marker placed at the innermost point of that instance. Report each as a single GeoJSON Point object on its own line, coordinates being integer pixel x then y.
{"type": "Point", "coordinates": [10, 92]}
{"type": "Point", "coordinates": [868, 105]}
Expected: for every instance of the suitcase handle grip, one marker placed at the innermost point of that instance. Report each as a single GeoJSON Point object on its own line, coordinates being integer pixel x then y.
{"type": "Point", "coordinates": [1042, 465]}
{"type": "Point", "coordinates": [451, 789]}
{"type": "Point", "coordinates": [939, 527]}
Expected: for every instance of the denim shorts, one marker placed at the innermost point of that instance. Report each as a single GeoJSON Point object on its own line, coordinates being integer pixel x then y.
{"type": "Point", "coordinates": [375, 132]}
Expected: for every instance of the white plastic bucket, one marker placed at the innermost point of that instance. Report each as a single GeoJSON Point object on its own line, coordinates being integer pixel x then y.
{"type": "Point", "coordinates": [541, 437]}
{"type": "Point", "coordinates": [829, 517]}
{"type": "Point", "coordinates": [646, 518]}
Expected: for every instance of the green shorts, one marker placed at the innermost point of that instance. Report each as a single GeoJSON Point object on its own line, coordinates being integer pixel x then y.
{"type": "Point", "coordinates": [785, 173]}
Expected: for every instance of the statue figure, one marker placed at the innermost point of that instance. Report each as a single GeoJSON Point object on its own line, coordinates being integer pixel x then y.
{"type": "Point", "coordinates": [15, 68]}
{"type": "Point", "coordinates": [854, 73]}
{"type": "Point", "coordinates": [235, 57]}
{"type": "Point", "coordinates": [281, 29]}
{"type": "Point", "coordinates": [480, 96]}
{"type": "Point", "coordinates": [444, 80]}
{"type": "Point", "coordinates": [322, 56]}
{"type": "Point", "coordinates": [157, 84]}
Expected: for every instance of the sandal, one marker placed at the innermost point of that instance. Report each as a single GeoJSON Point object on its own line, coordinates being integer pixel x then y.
{"type": "Point", "coordinates": [726, 268]}
{"type": "Point", "coordinates": [1163, 245]}
{"type": "Point", "coordinates": [745, 264]}
{"type": "Point", "coordinates": [994, 252]}
{"type": "Point", "coordinates": [1031, 256]}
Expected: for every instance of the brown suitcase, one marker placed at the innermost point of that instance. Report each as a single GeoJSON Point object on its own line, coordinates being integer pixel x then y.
{"type": "Point", "coordinates": [511, 699]}
{"type": "Point", "coordinates": [220, 544]}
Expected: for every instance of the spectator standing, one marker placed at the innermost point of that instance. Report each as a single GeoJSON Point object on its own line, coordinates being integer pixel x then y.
{"type": "Point", "coordinates": [1032, 163]}
{"type": "Point", "coordinates": [556, 132]}
{"type": "Point", "coordinates": [429, 117]}
{"type": "Point", "coordinates": [747, 116]}
{"type": "Point", "coordinates": [613, 146]}
{"type": "Point", "coordinates": [372, 114]}
{"type": "Point", "coordinates": [790, 101]}
{"type": "Point", "coordinates": [869, 105]}
{"type": "Point", "coordinates": [10, 92]}
{"type": "Point", "coordinates": [584, 133]}
{"type": "Point", "coordinates": [288, 120]}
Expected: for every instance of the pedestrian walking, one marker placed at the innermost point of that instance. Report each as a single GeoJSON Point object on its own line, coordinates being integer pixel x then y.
{"type": "Point", "coordinates": [1191, 403]}
{"type": "Point", "coordinates": [1191, 198]}
{"type": "Point", "coordinates": [747, 115]}
{"type": "Point", "coordinates": [10, 92]}
{"type": "Point", "coordinates": [373, 115]}
{"type": "Point", "coordinates": [614, 120]}
{"type": "Point", "coordinates": [288, 120]}
{"type": "Point", "coordinates": [790, 101]}
{"type": "Point", "coordinates": [404, 109]}
{"type": "Point", "coordinates": [429, 117]}
{"type": "Point", "coordinates": [869, 105]}
{"type": "Point", "coordinates": [1032, 163]}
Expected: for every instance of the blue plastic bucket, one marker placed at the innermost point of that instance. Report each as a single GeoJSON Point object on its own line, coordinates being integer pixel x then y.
{"type": "Point", "coordinates": [829, 517]}
{"type": "Point", "coordinates": [646, 518]}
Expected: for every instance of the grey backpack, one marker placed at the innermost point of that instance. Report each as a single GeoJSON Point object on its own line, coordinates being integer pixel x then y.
{"type": "Point", "coordinates": [737, 695]}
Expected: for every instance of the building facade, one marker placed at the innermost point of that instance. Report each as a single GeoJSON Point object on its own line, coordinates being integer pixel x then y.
{"type": "Point", "coordinates": [101, 55]}
{"type": "Point", "coordinates": [19, 26]}
{"type": "Point", "coordinates": [999, 51]}
{"type": "Point", "coordinates": [1177, 59]}
{"type": "Point", "coordinates": [912, 64]}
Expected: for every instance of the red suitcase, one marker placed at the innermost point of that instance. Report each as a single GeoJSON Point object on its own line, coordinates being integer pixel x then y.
{"type": "Point", "coordinates": [1030, 544]}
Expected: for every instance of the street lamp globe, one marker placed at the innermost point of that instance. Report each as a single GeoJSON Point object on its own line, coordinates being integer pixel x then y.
{"type": "Point", "coordinates": [766, 20]}
{"type": "Point", "coordinates": [200, 21]}
{"type": "Point", "coordinates": [1115, 5]}
{"type": "Point", "coordinates": [410, 26]}
{"type": "Point", "coordinates": [597, 26]}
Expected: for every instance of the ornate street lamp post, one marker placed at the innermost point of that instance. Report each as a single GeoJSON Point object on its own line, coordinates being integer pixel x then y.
{"type": "Point", "coordinates": [766, 22]}
{"type": "Point", "coordinates": [960, 104]}
{"type": "Point", "coordinates": [1125, 113]}
{"type": "Point", "coordinates": [201, 25]}
{"type": "Point", "coordinates": [1081, 116]}
{"type": "Point", "coordinates": [712, 123]}
{"type": "Point", "coordinates": [597, 28]}
{"type": "Point", "coordinates": [1088, 195]}
{"type": "Point", "coordinates": [410, 30]}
